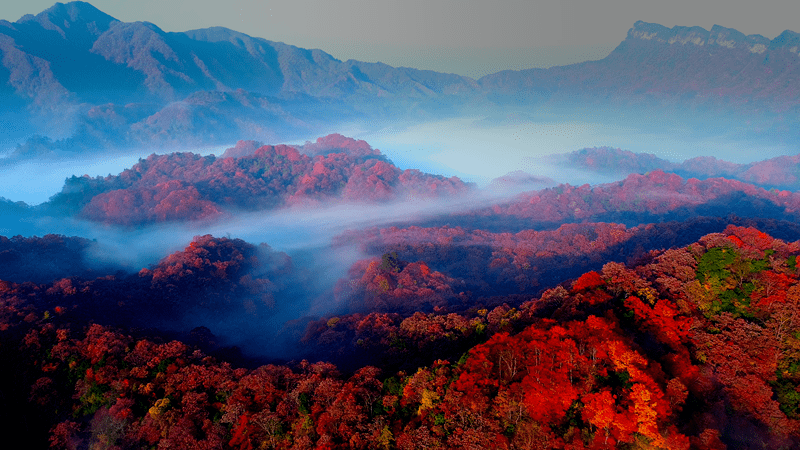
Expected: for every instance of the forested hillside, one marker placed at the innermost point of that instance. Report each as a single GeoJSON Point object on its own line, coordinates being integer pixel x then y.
{"type": "Point", "coordinates": [691, 347]}
{"type": "Point", "coordinates": [187, 186]}
{"type": "Point", "coordinates": [651, 312]}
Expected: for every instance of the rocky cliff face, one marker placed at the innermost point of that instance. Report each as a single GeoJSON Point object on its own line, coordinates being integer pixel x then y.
{"type": "Point", "coordinates": [718, 36]}
{"type": "Point", "coordinates": [721, 36]}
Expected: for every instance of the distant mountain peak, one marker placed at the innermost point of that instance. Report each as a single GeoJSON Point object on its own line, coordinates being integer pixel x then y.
{"type": "Point", "coordinates": [718, 35]}
{"type": "Point", "coordinates": [728, 37]}
{"type": "Point", "coordinates": [789, 40]}
{"type": "Point", "coordinates": [659, 33]}
{"type": "Point", "coordinates": [73, 12]}
{"type": "Point", "coordinates": [70, 18]}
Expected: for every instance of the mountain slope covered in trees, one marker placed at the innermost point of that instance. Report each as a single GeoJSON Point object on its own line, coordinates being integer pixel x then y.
{"type": "Point", "coordinates": [187, 186]}
{"type": "Point", "coordinates": [655, 311]}
{"type": "Point", "coordinates": [692, 347]}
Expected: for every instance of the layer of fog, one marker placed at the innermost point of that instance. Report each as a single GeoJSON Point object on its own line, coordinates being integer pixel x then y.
{"type": "Point", "coordinates": [34, 181]}
{"type": "Point", "coordinates": [307, 234]}
{"type": "Point", "coordinates": [478, 150]}
{"type": "Point", "coordinates": [475, 149]}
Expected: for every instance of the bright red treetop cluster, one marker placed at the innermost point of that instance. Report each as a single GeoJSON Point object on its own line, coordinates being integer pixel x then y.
{"type": "Point", "coordinates": [186, 186]}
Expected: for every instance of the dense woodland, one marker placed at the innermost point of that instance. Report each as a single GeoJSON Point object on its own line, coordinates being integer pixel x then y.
{"type": "Point", "coordinates": [187, 186]}
{"type": "Point", "coordinates": [691, 347]}
{"type": "Point", "coordinates": [654, 312]}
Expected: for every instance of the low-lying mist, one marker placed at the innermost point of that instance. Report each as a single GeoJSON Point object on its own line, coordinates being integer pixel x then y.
{"type": "Point", "coordinates": [474, 148]}
{"type": "Point", "coordinates": [479, 149]}
{"type": "Point", "coordinates": [34, 181]}
{"type": "Point", "coordinates": [306, 234]}
{"type": "Point", "coordinates": [504, 155]}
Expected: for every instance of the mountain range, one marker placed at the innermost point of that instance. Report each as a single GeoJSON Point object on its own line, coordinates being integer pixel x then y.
{"type": "Point", "coordinates": [682, 64]}
{"type": "Point", "coordinates": [92, 81]}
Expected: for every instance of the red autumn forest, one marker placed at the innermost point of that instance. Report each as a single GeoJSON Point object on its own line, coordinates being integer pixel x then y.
{"type": "Point", "coordinates": [653, 312]}
{"type": "Point", "coordinates": [186, 186]}
{"type": "Point", "coordinates": [250, 176]}
{"type": "Point", "coordinates": [691, 347]}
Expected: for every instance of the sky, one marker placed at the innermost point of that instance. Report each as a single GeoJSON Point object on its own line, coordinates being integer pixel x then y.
{"type": "Point", "coordinates": [468, 37]}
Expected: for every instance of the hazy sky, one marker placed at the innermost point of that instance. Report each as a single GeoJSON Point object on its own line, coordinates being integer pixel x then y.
{"type": "Point", "coordinates": [468, 37]}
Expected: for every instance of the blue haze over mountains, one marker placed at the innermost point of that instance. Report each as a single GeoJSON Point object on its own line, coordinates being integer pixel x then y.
{"type": "Point", "coordinates": [87, 93]}
{"type": "Point", "coordinates": [132, 84]}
